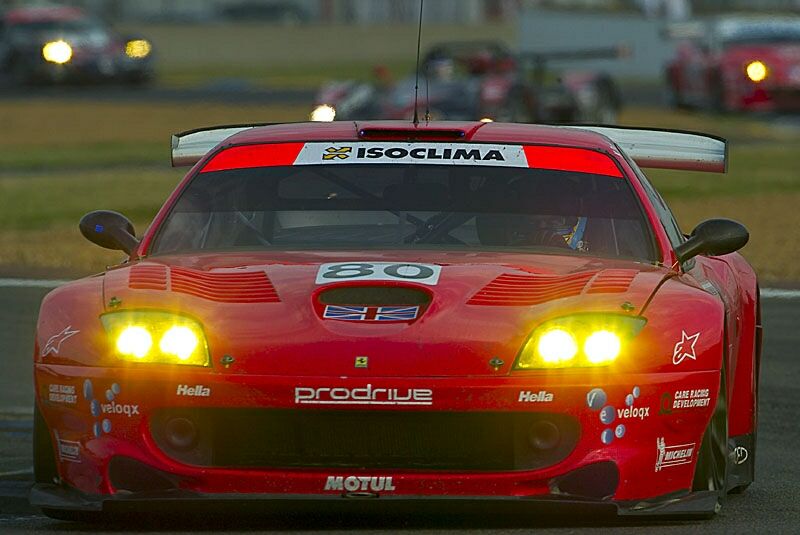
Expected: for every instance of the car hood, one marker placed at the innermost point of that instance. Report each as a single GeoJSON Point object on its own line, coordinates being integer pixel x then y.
{"type": "Point", "coordinates": [268, 310]}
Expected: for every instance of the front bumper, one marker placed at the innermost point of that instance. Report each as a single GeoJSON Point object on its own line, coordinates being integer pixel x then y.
{"type": "Point", "coordinates": [648, 427]}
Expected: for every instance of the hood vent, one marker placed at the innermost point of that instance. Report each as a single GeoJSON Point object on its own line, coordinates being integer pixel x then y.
{"type": "Point", "coordinates": [526, 290]}
{"type": "Point", "coordinates": [372, 304]}
{"type": "Point", "coordinates": [228, 287]}
{"type": "Point", "coordinates": [612, 281]}
{"type": "Point", "coordinates": [148, 277]}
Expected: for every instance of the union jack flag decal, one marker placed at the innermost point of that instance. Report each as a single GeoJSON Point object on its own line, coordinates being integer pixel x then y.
{"type": "Point", "coordinates": [371, 313]}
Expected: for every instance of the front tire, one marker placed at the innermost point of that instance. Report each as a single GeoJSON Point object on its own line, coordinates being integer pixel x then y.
{"type": "Point", "coordinates": [45, 469]}
{"type": "Point", "coordinates": [711, 470]}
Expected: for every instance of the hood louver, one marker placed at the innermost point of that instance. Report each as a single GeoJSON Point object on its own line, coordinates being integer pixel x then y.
{"type": "Point", "coordinates": [226, 287]}
{"type": "Point", "coordinates": [527, 290]}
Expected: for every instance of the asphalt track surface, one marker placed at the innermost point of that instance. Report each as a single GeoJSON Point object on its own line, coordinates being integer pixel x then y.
{"type": "Point", "coordinates": [770, 505]}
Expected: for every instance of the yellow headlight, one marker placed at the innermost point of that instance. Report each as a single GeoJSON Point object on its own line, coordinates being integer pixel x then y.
{"type": "Point", "coordinates": [557, 346]}
{"type": "Point", "coordinates": [138, 49]}
{"type": "Point", "coordinates": [180, 339]}
{"type": "Point", "coordinates": [323, 113]}
{"type": "Point", "coordinates": [134, 341]}
{"type": "Point", "coordinates": [756, 71]}
{"type": "Point", "coordinates": [589, 339]}
{"type": "Point", "coordinates": [57, 52]}
{"type": "Point", "coordinates": [602, 347]}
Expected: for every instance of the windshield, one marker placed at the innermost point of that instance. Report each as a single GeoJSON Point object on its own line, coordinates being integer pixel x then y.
{"type": "Point", "coordinates": [367, 206]}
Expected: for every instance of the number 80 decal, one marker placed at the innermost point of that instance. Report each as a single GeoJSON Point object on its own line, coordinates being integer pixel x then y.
{"type": "Point", "coordinates": [378, 271]}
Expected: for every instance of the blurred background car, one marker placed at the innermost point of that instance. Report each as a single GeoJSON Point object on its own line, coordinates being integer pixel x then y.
{"type": "Point", "coordinates": [736, 63]}
{"type": "Point", "coordinates": [469, 80]}
{"type": "Point", "coordinates": [53, 44]}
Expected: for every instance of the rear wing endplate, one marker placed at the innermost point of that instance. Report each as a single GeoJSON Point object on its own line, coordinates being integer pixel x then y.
{"type": "Point", "coordinates": [668, 149]}
{"type": "Point", "coordinates": [189, 147]}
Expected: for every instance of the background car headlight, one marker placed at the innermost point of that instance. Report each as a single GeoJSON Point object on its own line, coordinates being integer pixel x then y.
{"type": "Point", "coordinates": [323, 113]}
{"type": "Point", "coordinates": [57, 52]}
{"type": "Point", "coordinates": [578, 341]}
{"type": "Point", "coordinates": [756, 71]}
{"type": "Point", "coordinates": [156, 337]}
{"type": "Point", "coordinates": [138, 48]}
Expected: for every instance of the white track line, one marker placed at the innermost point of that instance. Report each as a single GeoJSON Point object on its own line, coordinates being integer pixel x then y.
{"type": "Point", "coordinates": [777, 293]}
{"type": "Point", "coordinates": [24, 472]}
{"type": "Point", "coordinates": [31, 283]}
{"type": "Point", "coordinates": [767, 293]}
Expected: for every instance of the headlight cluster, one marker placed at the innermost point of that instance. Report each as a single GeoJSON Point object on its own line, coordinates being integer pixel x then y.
{"type": "Point", "coordinates": [323, 113]}
{"type": "Point", "coordinates": [578, 341]}
{"type": "Point", "coordinates": [757, 71]}
{"type": "Point", "coordinates": [159, 337]}
{"type": "Point", "coordinates": [138, 48]}
{"type": "Point", "coordinates": [58, 52]}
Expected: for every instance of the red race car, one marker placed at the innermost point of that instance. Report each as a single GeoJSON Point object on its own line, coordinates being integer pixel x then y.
{"type": "Point", "coordinates": [736, 64]}
{"type": "Point", "coordinates": [449, 314]}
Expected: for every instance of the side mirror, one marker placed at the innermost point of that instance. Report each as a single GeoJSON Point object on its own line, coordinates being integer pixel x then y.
{"type": "Point", "coordinates": [713, 237]}
{"type": "Point", "coordinates": [110, 230]}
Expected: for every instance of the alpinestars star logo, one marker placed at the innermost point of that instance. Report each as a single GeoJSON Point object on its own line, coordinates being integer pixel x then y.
{"type": "Point", "coordinates": [53, 345]}
{"type": "Point", "coordinates": [684, 349]}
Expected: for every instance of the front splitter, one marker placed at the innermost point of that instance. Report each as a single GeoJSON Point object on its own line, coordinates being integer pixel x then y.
{"type": "Point", "coordinates": [686, 505]}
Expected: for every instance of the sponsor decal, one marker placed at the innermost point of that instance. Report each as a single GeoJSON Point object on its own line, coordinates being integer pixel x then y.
{"type": "Point", "coordinates": [362, 362]}
{"type": "Point", "coordinates": [740, 454]}
{"type": "Point", "coordinates": [68, 450]}
{"type": "Point", "coordinates": [359, 483]}
{"type": "Point", "coordinates": [684, 399]}
{"type": "Point", "coordinates": [672, 455]}
{"type": "Point", "coordinates": [379, 271]}
{"type": "Point", "coordinates": [596, 400]}
{"type": "Point", "coordinates": [535, 397]}
{"type": "Point", "coordinates": [633, 412]}
{"type": "Point", "coordinates": [98, 408]}
{"type": "Point", "coordinates": [371, 313]}
{"type": "Point", "coordinates": [426, 153]}
{"type": "Point", "coordinates": [62, 394]}
{"type": "Point", "coordinates": [362, 396]}
{"type": "Point", "coordinates": [53, 345]}
{"type": "Point", "coordinates": [199, 391]}
{"type": "Point", "coordinates": [684, 348]}
{"type": "Point", "coordinates": [334, 153]}
{"type": "Point", "coordinates": [119, 408]}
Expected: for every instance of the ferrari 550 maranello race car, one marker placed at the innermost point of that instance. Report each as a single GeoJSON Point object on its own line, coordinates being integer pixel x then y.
{"type": "Point", "coordinates": [449, 314]}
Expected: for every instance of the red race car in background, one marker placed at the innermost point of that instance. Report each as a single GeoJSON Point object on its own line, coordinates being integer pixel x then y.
{"type": "Point", "coordinates": [737, 64]}
{"type": "Point", "coordinates": [40, 45]}
{"type": "Point", "coordinates": [474, 80]}
{"type": "Point", "coordinates": [450, 314]}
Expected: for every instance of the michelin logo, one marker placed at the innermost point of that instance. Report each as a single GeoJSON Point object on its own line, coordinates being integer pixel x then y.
{"type": "Point", "coordinates": [426, 153]}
